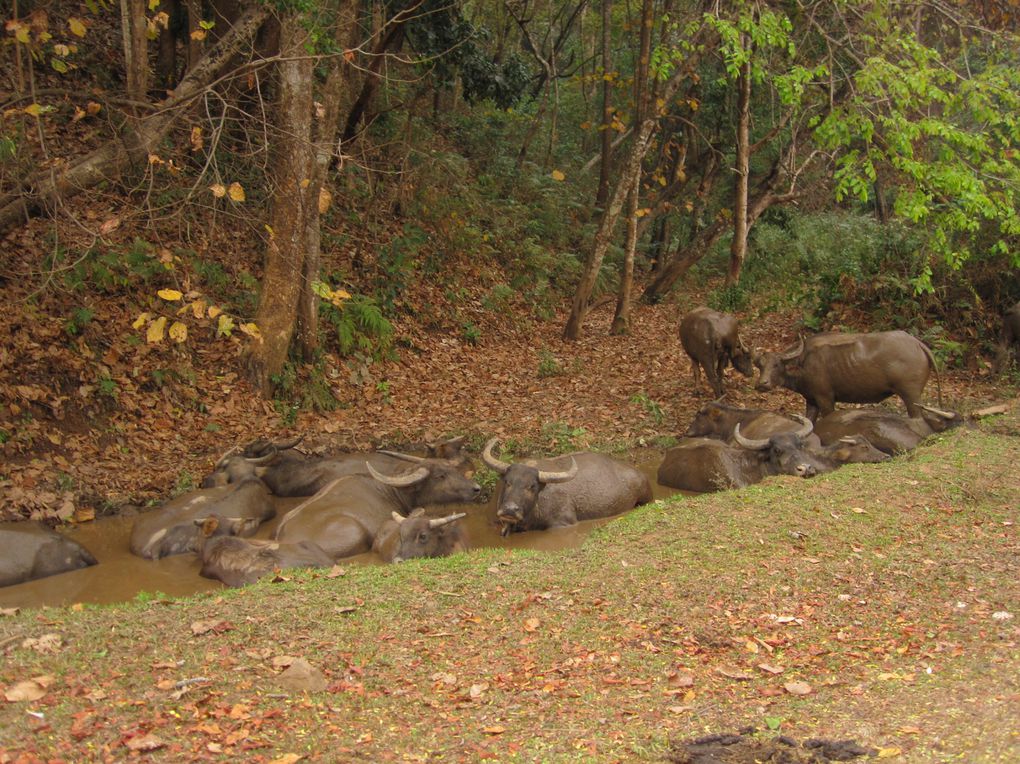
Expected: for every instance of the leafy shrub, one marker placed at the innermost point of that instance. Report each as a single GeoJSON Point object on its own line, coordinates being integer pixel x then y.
{"type": "Point", "coordinates": [359, 326]}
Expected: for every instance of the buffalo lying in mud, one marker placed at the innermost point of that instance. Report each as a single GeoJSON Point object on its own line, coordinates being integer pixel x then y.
{"type": "Point", "coordinates": [852, 368]}
{"type": "Point", "coordinates": [885, 430]}
{"type": "Point", "coordinates": [288, 472]}
{"type": "Point", "coordinates": [554, 493]}
{"type": "Point", "coordinates": [405, 538]}
{"type": "Point", "coordinates": [170, 529]}
{"type": "Point", "coordinates": [29, 550]}
{"type": "Point", "coordinates": [1009, 339]}
{"type": "Point", "coordinates": [238, 562]}
{"type": "Point", "coordinates": [706, 464]}
{"type": "Point", "coordinates": [711, 340]}
{"type": "Point", "coordinates": [346, 516]}
{"type": "Point", "coordinates": [719, 420]}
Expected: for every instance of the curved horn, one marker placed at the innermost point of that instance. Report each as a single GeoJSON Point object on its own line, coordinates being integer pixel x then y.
{"type": "Point", "coordinates": [789, 355]}
{"type": "Point", "coordinates": [223, 459]}
{"type": "Point", "coordinates": [398, 517]}
{"type": "Point", "coordinates": [558, 477]}
{"type": "Point", "coordinates": [283, 445]}
{"type": "Point", "coordinates": [438, 522]}
{"type": "Point", "coordinates": [405, 457]}
{"type": "Point", "coordinates": [939, 412]}
{"type": "Point", "coordinates": [491, 461]}
{"type": "Point", "coordinates": [755, 445]}
{"type": "Point", "coordinates": [258, 461]}
{"type": "Point", "coordinates": [806, 427]}
{"type": "Point", "coordinates": [398, 481]}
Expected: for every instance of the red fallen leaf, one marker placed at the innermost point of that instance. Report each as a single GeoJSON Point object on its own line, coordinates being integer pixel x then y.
{"type": "Point", "coordinates": [769, 668]}
{"type": "Point", "coordinates": [494, 730]}
{"type": "Point", "coordinates": [217, 626]}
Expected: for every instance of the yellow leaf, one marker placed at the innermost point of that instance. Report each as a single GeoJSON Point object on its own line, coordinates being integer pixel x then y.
{"type": "Point", "coordinates": [642, 212]}
{"type": "Point", "coordinates": [178, 331]}
{"type": "Point", "coordinates": [196, 138]}
{"type": "Point", "coordinates": [79, 114]}
{"type": "Point", "coordinates": [154, 4]}
{"type": "Point", "coordinates": [305, 183]}
{"type": "Point", "coordinates": [557, 175]}
{"type": "Point", "coordinates": [662, 180]}
{"type": "Point", "coordinates": [22, 35]}
{"type": "Point", "coordinates": [252, 330]}
{"type": "Point", "coordinates": [198, 308]}
{"type": "Point", "coordinates": [218, 190]}
{"type": "Point", "coordinates": [170, 295]}
{"type": "Point", "coordinates": [93, 108]}
{"type": "Point", "coordinates": [155, 159]}
{"type": "Point", "coordinates": [154, 333]}
{"type": "Point", "coordinates": [236, 192]}
{"type": "Point", "coordinates": [198, 35]}
{"type": "Point", "coordinates": [33, 110]}
{"type": "Point", "coordinates": [214, 311]}
{"type": "Point", "coordinates": [140, 321]}
{"type": "Point", "coordinates": [325, 200]}
{"type": "Point", "coordinates": [225, 325]}
{"type": "Point", "coordinates": [888, 753]}
{"type": "Point", "coordinates": [77, 26]}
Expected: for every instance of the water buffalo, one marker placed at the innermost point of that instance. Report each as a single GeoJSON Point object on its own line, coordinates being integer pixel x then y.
{"type": "Point", "coordinates": [237, 561]}
{"type": "Point", "coordinates": [289, 473]}
{"type": "Point", "coordinates": [854, 368]}
{"type": "Point", "coordinates": [30, 550]}
{"type": "Point", "coordinates": [347, 514]}
{"type": "Point", "coordinates": [553, 493]}
{"type": "Point", "coordinates": [1009, 339]}
{"type": "Point", "coordinates": [706, 464]}
{"type": "Point", "coordinates": [850, 449]}
{"type": "Point", "coordinates": [171, 529]}
{"type": "Point", "coordinates": [887, 431]}
{"type": "Point", "coordinates": [710, 339]}
{"type": "Point", "coordinates": [719, 420]}
{"type": "Point", "coordinates": [404, 538]}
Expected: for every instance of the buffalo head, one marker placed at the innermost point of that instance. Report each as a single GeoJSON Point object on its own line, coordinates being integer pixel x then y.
{"type": "Point", "coordinates": [432, 481]}
{"type": "Point", "coordinates": [772, 367]}
{"type": "Point", "coordinates": [785, 453]}
{"type": "Point", "coordinates": [416, 535]}
{"type": "Point", "coordinates": [520, 487]}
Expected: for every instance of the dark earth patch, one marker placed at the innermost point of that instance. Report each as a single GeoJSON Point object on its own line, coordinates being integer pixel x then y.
{"type": "Point", "coordinates": [744, 749]}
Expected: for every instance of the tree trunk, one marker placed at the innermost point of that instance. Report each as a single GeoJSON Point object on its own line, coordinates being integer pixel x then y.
{"type": "Point", "coordinates": [48, 188]}
{"type": "Point", "coordinates": [292, 205]}
{"type": "Point", "coordinates": [605, 163]}
{"type": "Point", "coordinates": [680, 264]}
{"type": "Point", "coordinates": [136, 60]}
{"type": "Point", "coordinates": [738, 247]}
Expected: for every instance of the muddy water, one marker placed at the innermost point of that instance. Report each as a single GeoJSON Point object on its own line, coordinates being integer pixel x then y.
{"type": "Point", "coordinates": [121, 576]}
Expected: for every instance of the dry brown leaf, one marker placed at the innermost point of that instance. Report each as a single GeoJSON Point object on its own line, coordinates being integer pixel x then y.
{"type": "Point", "coordinates": [798, 688]}
{"type": "Point", "coordinates": [734, 673]}
{"type": "Point", "coordinates": [148, 742]}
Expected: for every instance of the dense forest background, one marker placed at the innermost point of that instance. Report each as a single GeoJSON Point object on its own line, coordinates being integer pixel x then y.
{"type": "Point", "coordinates": [221, 214]}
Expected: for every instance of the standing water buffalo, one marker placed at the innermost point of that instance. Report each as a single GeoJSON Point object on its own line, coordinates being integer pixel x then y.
{"type": "Point", "coordinates": [1009, 339]}
{"type": "Point", "coordinates": [238, 562]}
{"type": "Point", "coordinates": [888, 432]}
{"type": "Point", "coordinates": [705, 464]}
{"type": "Point", "coordinates": [405, 538]}
{"type": "Point", "coordinates": [345, 517]}
{"type": "Point", "coordinates": [171, 528]}
{"type": "Point", "coordinates": [287, 472]}
{"type": "Point", "coordinates": [854, 368]}
{"type": "Point", "coordinates": [553, 493]}
{"type": "Point", "coordinates": [710, 339]}
{"type": "Point", "coordinates": [29, 550]}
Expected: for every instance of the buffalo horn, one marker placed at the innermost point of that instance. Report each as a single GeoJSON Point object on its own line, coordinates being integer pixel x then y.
{"type": "Point", "coordinates": [223, 459]}
{"type": "Point", "coordinates": [399, 481]}
{"type": "Point", "coordinates": [490, 460]}
{"type": "Point", "coordinates": [283, 445]}
{"type": "Point", "coordinates": [789, 355]}
{"type": "Point", "coordinates": [438, 522]}
{"type": "Point", "coordinates": [939, 412]}
{"type": "Point", "coordinates": [405, 457]}
{"type": "Point", "coordinates": [558, 477]}
{"type": "Point", "coordinates": [755, 445]}
{"type": "Point", "coordinates": [806, 428]}
{"type": "Point", "coordinates": [258, 461]}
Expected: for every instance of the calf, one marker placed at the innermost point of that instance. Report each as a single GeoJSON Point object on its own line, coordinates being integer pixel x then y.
{"type": "Point", "coordinates": [711, 341]}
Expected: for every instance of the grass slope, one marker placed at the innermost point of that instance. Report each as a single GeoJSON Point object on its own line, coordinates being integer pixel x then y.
{"type": "Point", "coordinates": [887, 593]}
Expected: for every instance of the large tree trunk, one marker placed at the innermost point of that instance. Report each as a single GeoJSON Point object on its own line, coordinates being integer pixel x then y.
{"type": "Point", "coordinates": [292, 204]}
{"type": "Point", "coordinates": [136, 60]}
{"type": "Point", "coordinates": [738, 246]}
{"type": "Point", "coordinates": [47, 188]}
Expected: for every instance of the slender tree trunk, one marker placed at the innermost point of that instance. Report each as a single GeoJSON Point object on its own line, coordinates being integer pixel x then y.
{"type": "Point", "coordinates": [136, 61]}
{"type": "Point", "coordinates": [738, 246]}
{"type": "Point", "coordinates": [621, 320]}
{"type": "Point", "coordinates": [679, 264]}
{"type": "Point", "coordinates": [605, 164]}
{"type": "Point", "coordinates": [293, 203]}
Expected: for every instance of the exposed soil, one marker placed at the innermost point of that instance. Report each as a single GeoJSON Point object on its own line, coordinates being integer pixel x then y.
{"type": "Point", "coordinates": [741, 749]}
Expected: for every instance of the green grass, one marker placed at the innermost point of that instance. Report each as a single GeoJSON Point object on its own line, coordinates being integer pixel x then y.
{"type": "Point", "coordinates": [877, 585]}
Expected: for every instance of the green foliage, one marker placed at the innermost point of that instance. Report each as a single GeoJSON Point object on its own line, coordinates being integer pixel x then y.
{"type": "Point", "coordinates": [185, 482]}
{"type": "Point", "coordinates": [650, 407]}
{"type": "Point", "coordinates": [471, 333]}
{"type": "Point", "coordinates": [548, 364]}
{"type": "Point", "coordinates": [107, 270]}
{"type": "Point", "coordinates": [81, 318]}
{"type": "Point", "coordinates": [108, 387]}
{"type": "Point", "coordinates": [397, 265]}
{"type": "Point", "coordinates": [560, 437]}
{"type": "Point", "coordinates": [359, 326]}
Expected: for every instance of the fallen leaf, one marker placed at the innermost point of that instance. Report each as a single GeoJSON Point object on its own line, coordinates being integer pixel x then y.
{"type": "Point", "coordinates": [770, 669]}
{"type": "Point", "coordinates": [282, 661]}
{"type": "Point", "coordinates": [287, 758]}
{"type": "Point", "coordinates": [797, 688]}
{"type": "Point", "coordinates": [733, 673]}
{"type": "Point", "coordinates": [302, 676]}
{"type": "Point", "coordinates": [218, 625]}
{"type": "Point", "coordinates": [494, 730]}
{"type": "Point", "coordinates": [336, 571]}
{"type": "Point", "coordinates": [888, 753]}
{"type": "Point", "coordinates": [148, 742]}
{"type": "Point", "coordinates": [47, 643]}
{"type": "Point", "coordinates": [532, 624]}
{"type": "Point", "coordinates": [27, 690]}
